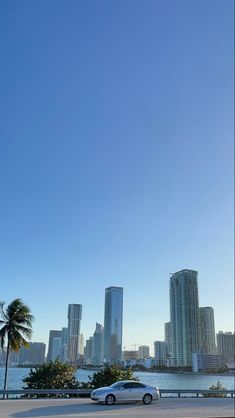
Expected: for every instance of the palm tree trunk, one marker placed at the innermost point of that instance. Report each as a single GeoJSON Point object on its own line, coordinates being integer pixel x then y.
{"type": "Point", "coordinates": [6, 369]}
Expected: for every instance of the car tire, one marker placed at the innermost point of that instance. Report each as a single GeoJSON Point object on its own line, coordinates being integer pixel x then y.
{"type": "Point", "coordinates": [110, 399]}
{"type": "Point", "coordinates": [147, 399]}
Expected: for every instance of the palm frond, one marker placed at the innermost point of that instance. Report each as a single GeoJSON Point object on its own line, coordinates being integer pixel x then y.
{"type": "Point", "coordinates": [24, 330]}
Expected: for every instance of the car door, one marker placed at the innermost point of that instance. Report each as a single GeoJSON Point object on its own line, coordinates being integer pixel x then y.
{"type": "Point", "coordinates": [138, 391]}
{"type": "Point", "coordinates": [125, 392]}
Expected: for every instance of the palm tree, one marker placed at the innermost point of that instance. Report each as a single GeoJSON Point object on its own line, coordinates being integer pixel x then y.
{"type": "Point", "coordinates": [16, 324]}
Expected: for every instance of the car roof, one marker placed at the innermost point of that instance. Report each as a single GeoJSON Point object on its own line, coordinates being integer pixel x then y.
{"type": "Point", "coordinates": [129, 381]}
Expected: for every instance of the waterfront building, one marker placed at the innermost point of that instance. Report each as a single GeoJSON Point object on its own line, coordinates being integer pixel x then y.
{"type": "Point", "coordinates": [184, 315]}
{"type": "Point", "coordinates": [34, 355]}
{"type": "Point", "coordinates": [143, 351]}
{"type": "Point", "coordinates": [88, 351]}
{"type": "Point", "coordinates": [97, 346]}
{"type": "Point", "coordinates": [202, 361]}
{"type": "Point", "coordinates": [53, 334]}
{"type": "Point", "coordinates": [81, 344]}
{"type": "Point", "coordinates": [167, 332]}
{"type": "Point", "coordinates": [64, 345]}
{"type": "Point", "coordinates": [160, 353]}
{"type": "Point", "coordinates": [56, 349]}
{"type": "Point", "coordinates": [207, 325]}
{"type": "Point", "coordinates": [113, 325]}
{"type": "Point", "coordinates": [74, 326]}
{"type": "Point", "coordinates": [226, 345]}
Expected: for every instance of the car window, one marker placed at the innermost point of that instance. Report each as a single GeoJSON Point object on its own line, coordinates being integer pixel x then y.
{"type": "Point", "coordinates": [138, 385]}
{"type": "Point", "coordinates": [129, 385]}
{"type": "Point", "coordinates": [116, 385]}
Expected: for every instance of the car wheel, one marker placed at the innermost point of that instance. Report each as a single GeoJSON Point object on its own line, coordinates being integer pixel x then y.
{"type": "Point", "coordinates": [147, 399]}
{"type": "Point", "coordinates": [109, 400]}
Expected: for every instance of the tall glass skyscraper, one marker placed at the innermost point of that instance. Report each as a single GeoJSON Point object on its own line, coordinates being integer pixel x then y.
{"type": "Point", "coordinates": [207, 325]}
{"type": "Point", "coordinates": [74, 325]}
{"type": "Point", "coordinates": [184, 312]}
{"type": "Point", "coordinates": [113, 314]}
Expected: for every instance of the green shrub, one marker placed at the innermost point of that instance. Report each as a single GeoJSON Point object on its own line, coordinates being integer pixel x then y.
{"type": "Point", "coordinates": [107, 377]}
{"type": "Point", "coordinates": [54, 375]}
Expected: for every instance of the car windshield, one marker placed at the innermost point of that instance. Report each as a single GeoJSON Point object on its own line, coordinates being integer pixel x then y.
{"type": "Point", "coordinates": [116, 385]}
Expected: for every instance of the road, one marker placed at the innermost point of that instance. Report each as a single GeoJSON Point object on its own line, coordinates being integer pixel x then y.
{"type": "Point", "coordinates": [165, 408]}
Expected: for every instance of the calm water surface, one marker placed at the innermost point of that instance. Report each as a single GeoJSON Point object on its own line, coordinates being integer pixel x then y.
{"type": "Point", "coordinates": [162, 380]}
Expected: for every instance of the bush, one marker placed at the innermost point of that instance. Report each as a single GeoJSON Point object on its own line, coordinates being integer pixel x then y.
{"type": "Point", "coordinates": [218, 386]}
{"type": "Point", "coordinates": [107, 377]}
{"type": "Point", "coordinates": [54, 375]}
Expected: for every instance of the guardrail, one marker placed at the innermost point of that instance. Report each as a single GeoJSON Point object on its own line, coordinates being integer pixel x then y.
{"type": "Point", "coordinates": [195, 393]}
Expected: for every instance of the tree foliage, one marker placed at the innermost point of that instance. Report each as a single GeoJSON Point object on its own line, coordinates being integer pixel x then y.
{"type": "Point", "coordinates": [107, 377]}
{"type": "Point", "coordinates": [54, 375]}
{"type": "Point", "coordinates": [16, 324]}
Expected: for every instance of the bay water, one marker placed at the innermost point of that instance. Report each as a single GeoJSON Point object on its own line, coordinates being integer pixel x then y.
{"type": "Point", "coordinates": [162, 380]}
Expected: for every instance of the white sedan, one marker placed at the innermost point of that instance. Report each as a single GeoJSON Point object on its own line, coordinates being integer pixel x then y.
{"type": "Point", "coordinates": [126, 390]}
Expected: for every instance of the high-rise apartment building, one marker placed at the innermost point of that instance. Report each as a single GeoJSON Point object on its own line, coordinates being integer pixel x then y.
{"type": "Point", "coordinates": [167, 329]}
{"type": "Point", "coordinates": [53, 334]}
{"type": "Point", "coordinates": [56, 349]}
{"type": "Point", "coordinates": [143, 351]}
{"type": "Point", "coordinates": [113, 325]}
{"type": "Point", "coordinates": [74, 325]}
{"type": "Point", "coordinates": [184, 315]}
{"type": "Point", "coordinates": [64, 345]}
{"type": "Point", "coordinates": [97, 346]}
{"type": "Point", "coordinates": [226, 345]}
{"type": "Point", "coordinates": [207, 325]}
{"type": "Point", "coordinates": [160, 353]}
{"type": "Point", "coordinates": [88, 351]}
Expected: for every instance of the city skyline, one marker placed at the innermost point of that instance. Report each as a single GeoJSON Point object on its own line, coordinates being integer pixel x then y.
{"type": "Point", "coordinates": [205, 319]}
{"type": "Point", "coordinates": [194, 346]}
{"type": "Point", "coordinates": [116, 158]}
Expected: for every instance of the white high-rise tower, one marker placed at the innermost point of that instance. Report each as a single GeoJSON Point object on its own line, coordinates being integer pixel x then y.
{"type": "Point", "coordinates": [74, 325]}
{"type": "Point", "coordinates": [185, 323]}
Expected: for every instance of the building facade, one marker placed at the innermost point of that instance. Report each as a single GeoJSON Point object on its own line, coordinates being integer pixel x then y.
{"type": "Point", "coordinates": [167, 332]}
{"type": "Point", "coordinates": [184, 315]}
{"type": "Point", "coordinates": [113, 317]}
{"type": "Point", "coordinates": [207, 325]}
{"type": "Point", "coordinates": [143, 351]}
{"type": "Point", "coordinates": [160, 353]}
{"type": "Point", "coordinates": [74, 326]}
{"type": "Point", "coordinates": [226, 345]}
{"type": "Point", "coordinates": [97, 346]}
{"type": "Point", "coordinates": [34, 355]}
{"type": "Point", "coordinates": [53, 334]}
{"type": "Point", "coordinates": [64, 345]}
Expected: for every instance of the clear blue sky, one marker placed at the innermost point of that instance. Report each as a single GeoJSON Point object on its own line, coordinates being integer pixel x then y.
{"type": "Point", "coordinates": [116, 157]}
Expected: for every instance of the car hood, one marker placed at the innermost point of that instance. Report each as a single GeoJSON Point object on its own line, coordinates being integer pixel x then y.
{"type": "Point", "coordinates": [101, 389]}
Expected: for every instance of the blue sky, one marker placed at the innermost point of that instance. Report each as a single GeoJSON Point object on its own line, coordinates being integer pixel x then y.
{"type": "Point", "coordinates": [116, 157]}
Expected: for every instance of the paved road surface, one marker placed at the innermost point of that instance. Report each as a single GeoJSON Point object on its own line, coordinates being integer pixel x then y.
{"type": "Point", "coordinates": [84, 408]}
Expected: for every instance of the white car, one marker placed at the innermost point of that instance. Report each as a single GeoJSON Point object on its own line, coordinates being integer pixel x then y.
{"type": "Point", "coordinates": [126, 390]}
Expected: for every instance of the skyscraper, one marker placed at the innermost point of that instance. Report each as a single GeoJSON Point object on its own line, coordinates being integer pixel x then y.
{"type": "Point", "coordinates": [64, 345]}
{"type": "Point", "coordinates": [160, 353]}
{"type": "Point", "coordinates": [97, 346]}
{"type": "Point", "coordinates": [53, 334]}
{"type": "Point", "coordinates": [113, 325]}
{"type": "Point", "coordinates": [74, 325]}
{"type": "Point", "coordinates": [207, 325]}
{"type": "Point", "coordinates": [167, 329]}
{"type": "Point", "coordinates": [184, 313]}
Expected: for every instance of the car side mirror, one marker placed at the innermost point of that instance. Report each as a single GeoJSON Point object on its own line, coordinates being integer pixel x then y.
{"type": "Point", "coordinates": [121, 388]}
